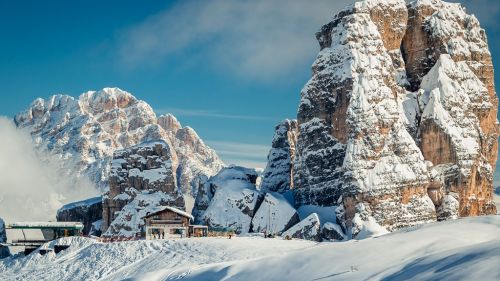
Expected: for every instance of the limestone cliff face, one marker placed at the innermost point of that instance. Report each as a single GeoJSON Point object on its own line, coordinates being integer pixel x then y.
{"type": "Point", "coordinates": [400, 113]}
{"type": "Point", "coordinates": [278, 173]}
{"type": "Point", "coordinates": [449, 63]}
{"type": "Point", "coordinates": [142, 178]}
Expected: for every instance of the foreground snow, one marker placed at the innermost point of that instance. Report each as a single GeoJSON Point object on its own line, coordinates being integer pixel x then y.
{"type": "Point", "coordinates": [88, 259]}
{"type": "Point", "coordinates": [463, 249]}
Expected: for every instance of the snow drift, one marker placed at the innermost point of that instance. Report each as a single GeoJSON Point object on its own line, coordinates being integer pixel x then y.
{"type": "Point", "coordinates": [463, 249]}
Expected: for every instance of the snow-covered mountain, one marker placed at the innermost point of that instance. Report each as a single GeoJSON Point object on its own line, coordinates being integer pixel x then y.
{"type": "Point", "coordinates": [84, 132]}
{"type": "Point", "coordinates": [397, 126]}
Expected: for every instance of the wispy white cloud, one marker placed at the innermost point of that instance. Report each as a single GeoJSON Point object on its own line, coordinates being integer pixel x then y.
{"type": "Point", "coordinates": [210, 114]}
{"type": "Point", "coordinates": [255, 39]}
{"type": "Point", "coordinates": [243, 154]}
{"type": "Point", "coordinates": [32, 189]}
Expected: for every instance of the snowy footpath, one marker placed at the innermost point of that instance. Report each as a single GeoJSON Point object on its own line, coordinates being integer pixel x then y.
{"type": "Point", "coordinates": [464, 249]}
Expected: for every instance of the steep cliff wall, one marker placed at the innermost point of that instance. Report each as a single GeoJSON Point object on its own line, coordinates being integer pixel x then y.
{"type": "Point", "coordinates": [399, 117]}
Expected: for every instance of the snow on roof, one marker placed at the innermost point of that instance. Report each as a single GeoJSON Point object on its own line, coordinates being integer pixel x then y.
{"type": "Point", "coordinates": [48, 224]}
{"type": "Point", "coordinates": [198, 226]}
{"type": "Point", "coordinates": [82, 203]}
{"type": "Point", "coordinates": [175, 210]}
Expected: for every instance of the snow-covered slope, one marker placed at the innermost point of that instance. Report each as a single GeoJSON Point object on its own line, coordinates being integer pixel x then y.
{"type": "Point", "coordinates": [463, 249]}
{"type": "Point", "coordinates": [85, 132]}
{"type": "Point", "coordinates": [466, 249]}
{"type": "Point", "coordinates": [87, 259]}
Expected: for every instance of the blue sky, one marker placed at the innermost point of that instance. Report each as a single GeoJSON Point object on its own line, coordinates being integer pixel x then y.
{"type": "Point", "coordinates": [229, 69]}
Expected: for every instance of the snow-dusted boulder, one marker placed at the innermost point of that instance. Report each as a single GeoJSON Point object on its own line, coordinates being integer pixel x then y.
{"type": "Point", "coordinates": [274, 215]}
{"type": "Point", "coordinates": [449, 207]}
{"type": "Point", "coordinates": [278, 173]}
{"type": "Point", "coordinates": [308, 229]}
{"type": "Point", "coordinates": [363, 224]}
{"type": "Point", "coordinates": [332, 232]}
{"type": "Point", "coordinates": [208, 187]}
{"type": "Point", "coordinates": [86, 211]}
{"type": "Point", "coordinates": [235, 200]}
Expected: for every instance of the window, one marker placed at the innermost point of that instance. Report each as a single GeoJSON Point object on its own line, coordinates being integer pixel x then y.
{"type": "Point", "coordinates": [176, 231]}
{"type": "Point", "coordinates": [156, 217]}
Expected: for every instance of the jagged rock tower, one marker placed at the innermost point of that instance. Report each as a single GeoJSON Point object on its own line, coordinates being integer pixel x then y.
{"type": "Point", "coordinates": [398, 122]}
{"type": "Point", "coordinates": [278, 173]}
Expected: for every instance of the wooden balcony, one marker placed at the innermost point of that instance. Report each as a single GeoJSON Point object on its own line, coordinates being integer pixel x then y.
{"type": "Point", "coordinates": [165, 222]}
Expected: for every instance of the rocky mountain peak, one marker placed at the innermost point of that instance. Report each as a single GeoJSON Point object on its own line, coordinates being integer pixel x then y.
{"type": "Point", "coordinates": [399, 117]}
{"type": "Point", "coordinates": [86, 131]}
{"type": "Point", "coordinates": [107, 99]}
{"type": "Point", "coordinates": [169, 122]}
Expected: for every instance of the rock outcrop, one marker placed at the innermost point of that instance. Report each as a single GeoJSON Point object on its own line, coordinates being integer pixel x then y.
{"type": "Point", "coordinates": [147, 169]}
{"type": "Point", "coordinates": [85, 132]}
{"type": "Point", "coordinates": [278, 173]}
{"type": "Point", "coordinates": [3, 235]}
{"type": "Point", "coordinates": [307, 229]}
{"type": "Point", "coordinates": [4, 251]}
{"type": "Point", "coordinates": [86, 211]}
{"type": "Point", "coordinates": [399, 117]}
{"type": "Point", "coordinates": [332, 232]}
{"type": "Point", "coordinates": [274, 215]}
{"type": "Point", "coordinates": [229, 199]}
{"type": "Point", "coordinates": [208, 186]}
